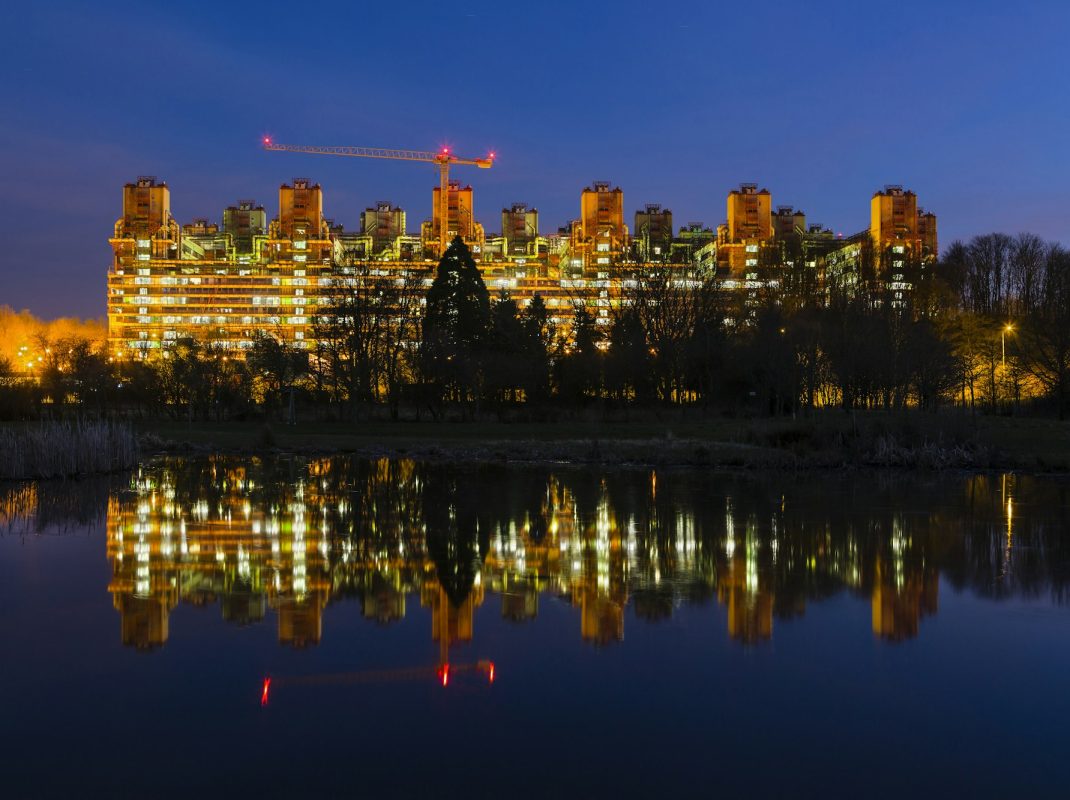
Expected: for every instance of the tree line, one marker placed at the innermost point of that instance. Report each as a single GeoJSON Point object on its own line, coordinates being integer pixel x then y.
{"type": "Point", "coordinates": [985, 328]}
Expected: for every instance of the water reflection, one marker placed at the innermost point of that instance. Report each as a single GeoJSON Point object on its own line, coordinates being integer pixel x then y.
{"type": "Point", "coordinates": [295, 536]}
{"type": "Point", "coordinates": [54, 507]}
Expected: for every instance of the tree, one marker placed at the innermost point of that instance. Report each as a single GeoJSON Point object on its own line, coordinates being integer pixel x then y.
{"type": "Point", "coordinates": [628, 362]}
{"type": "Point", "coordinates": [90, 378]}
{"type": "Point", "coordinates": [579, 363]}
{"type": "Point", "coordinates": [668, 307]}
{"type": "Point", "coordinates": [769, 355]}
{"type": "Point", "coordinates": [706, 348]}
{"type": "Point", "coordinates": [985, 286]}
{"type": "Point", "coordinates": [402, 338]}
{"type": "Point", "coordinates": [1047, 330]}
{"type": "Point", "coordinates": [540, 334]}
{"type": "Point", "coordinates": [354, 333]}
{"type": "Point", "coordinates": [505, 352]}
{"type": "Point", "coordinates": [455, 326]}
{"type": "Point", "coordinates": [228, 383]}
{"type": "Point", "coordinates": [278, 366]}
{"type": "Point", "coordinates": [182, 376]}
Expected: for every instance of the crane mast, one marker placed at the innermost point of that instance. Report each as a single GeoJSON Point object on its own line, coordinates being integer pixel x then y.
{"type": "Point", "coordinates": [443, 158]}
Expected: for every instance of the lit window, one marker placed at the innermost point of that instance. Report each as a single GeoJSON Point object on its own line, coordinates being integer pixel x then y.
{"type": "Point", "coordinates": [752, 248]}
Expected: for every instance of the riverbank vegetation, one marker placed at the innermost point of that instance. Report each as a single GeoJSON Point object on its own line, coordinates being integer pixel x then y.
{"type": "Point", "coordinates": [66, 449]}
{"type": "Point", "coordinates": [828, 439]}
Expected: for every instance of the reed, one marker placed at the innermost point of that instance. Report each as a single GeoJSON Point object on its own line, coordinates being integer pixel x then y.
{"type": "Point", "coordinates": [66, 450]}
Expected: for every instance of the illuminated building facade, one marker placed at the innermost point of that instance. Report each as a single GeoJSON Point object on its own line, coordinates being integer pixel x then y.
{"type": "Point", "coordinates": [168, 284]}
{"type": "Point", "coordinates": [897, 221]}
{"type": "Point", "coordinates": [383, 229]}
{"type": "Point", "coordinates": [520, 230]}
{"type": "Point", "coordinates": [245, 223]}
{"type": "Point", "coordinates": [461, 220]}
{"type": "Point", "coordinates": [223, 285]}
{"type": "Point", "coordinates": [748, 229]}
{"type": "Point", "coordinates": [788, 222]}
{"type": "Point", "coordinates": [599, 237]}
{"type": "Point", "coordinates": [696, 245]}
{"type": "Point", "coordinates": [653, 234]}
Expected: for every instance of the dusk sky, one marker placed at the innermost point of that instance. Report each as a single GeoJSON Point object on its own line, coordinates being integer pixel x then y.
{"type": "Point", "coordinates": [966, 103]}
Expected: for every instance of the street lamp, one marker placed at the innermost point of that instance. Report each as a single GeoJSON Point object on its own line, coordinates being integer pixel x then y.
{"type": "Point", "coordinates": [1008, 328]}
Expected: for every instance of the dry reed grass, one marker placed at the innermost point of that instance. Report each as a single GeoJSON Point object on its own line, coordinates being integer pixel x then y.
{"type": "Point", "coordinates": [66, 450]}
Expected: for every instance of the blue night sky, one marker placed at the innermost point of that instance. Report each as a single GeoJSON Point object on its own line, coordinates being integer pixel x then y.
{"type": "Point", "coordinates": [966, 103]}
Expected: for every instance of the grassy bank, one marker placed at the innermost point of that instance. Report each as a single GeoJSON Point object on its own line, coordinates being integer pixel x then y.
{"type": "Point", "coordinates": [827, 440]}
{"type": "Point", "coordinates": [66, 449]}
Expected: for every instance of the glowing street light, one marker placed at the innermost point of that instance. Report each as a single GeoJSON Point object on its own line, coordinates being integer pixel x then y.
{"type": "Point", "coordinates": [1008, 328]}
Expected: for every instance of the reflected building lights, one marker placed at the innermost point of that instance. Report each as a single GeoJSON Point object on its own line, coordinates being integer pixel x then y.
{"type": "Point", "coordinates": [234, 534]}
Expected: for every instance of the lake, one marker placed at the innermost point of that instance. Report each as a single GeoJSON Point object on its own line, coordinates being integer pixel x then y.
{"type": "Point", "coordinates": [344, 628]}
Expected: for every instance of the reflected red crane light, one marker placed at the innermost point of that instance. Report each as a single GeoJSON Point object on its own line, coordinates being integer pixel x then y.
{"type": "Point", "coordinates": [444, 672]}
{"type": "Point", "coordinates": [490, 673]}
{"type": "Point", "coordinates": [264, 692]}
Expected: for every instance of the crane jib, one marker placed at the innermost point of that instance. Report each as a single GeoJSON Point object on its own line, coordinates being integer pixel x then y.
{"type": "Point", "coordinates": [380, 152]}
{"type": "Point", "coordinates": [444, 158]}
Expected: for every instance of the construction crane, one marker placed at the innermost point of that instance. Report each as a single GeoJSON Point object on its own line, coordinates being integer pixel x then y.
{"type": "Point", "coordinates": [444, 158]}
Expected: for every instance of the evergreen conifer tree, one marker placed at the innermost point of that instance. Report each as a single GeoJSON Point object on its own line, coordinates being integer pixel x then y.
{"type": "Point", "coordinates": [456, 321]}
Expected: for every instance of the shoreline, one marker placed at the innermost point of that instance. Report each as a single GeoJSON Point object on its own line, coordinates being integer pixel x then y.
{"type": "Point", "coordinates": [1036, 446]}
{"type": "Point", "coordinates": [833, 443]}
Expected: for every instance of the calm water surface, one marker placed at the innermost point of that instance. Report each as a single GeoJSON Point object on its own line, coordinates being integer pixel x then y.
{"type": "Point", "coordinates": [339, 628]}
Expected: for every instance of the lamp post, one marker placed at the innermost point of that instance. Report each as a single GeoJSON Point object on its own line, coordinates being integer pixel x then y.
{"type": "Point", "coordinates": [1008, 328]}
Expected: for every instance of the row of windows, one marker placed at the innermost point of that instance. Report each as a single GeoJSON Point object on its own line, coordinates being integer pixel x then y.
{"type": "Point", "coordinates": [216, 319]}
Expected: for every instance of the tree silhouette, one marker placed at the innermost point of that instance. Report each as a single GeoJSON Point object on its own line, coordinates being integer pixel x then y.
{"type": "Point", "coordinates": [456, 541]}
{"type": "Point", "coordinates": [455, 325]}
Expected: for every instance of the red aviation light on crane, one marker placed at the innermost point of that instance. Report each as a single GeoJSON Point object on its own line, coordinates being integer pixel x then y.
{"type": "Point", "coordinates": [267, 140]}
